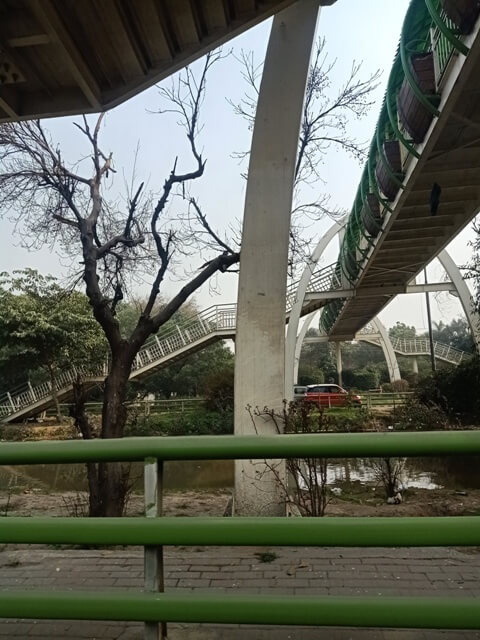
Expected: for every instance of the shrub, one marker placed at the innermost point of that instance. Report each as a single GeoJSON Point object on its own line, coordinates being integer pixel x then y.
{"type": "Point", "coordinates": [397, 386]}
{"type": "Point", "coordinates": [366, 379]}
{"type": "Point", "coordinates": [417, 416]}
{"type": "Point", "coordinates": [454, 390]}
{"type": "Point", "coordinates": [218, 390]}
{"type": "Point", "coordinates": [400, 385]}
{"type": "Point", "coordinates": [349, 419]}
{"type": "Point", "coordinates": [199, 422]}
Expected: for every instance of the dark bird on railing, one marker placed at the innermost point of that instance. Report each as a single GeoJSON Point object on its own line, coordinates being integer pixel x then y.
{"type": "Point", "coordinates": [435, 198]}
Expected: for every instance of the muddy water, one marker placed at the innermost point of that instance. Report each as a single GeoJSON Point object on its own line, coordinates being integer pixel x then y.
{"type": "Point", "coordinates": [428, 473]}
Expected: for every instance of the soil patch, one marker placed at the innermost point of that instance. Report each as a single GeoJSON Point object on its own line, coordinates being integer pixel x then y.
{"type": "Point", "coordinates": [417, 502]}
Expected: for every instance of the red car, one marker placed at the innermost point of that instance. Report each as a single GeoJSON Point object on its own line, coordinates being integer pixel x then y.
{"type": "Point", "coordinates": [330, 395]}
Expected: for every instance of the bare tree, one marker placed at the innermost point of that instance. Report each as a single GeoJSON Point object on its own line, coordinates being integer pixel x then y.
{"type": "Point", "coordinates": [327, 113]}
{"type": "Point", "coordinates": [56, 201]}
{"type": "Point", "coordinates": [304, 486]}
{"type": "Point", "coordinates": [388, 472]}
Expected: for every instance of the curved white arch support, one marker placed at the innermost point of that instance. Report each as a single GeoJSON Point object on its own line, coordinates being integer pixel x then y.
{"type": "Point", "coordinates": [294, 342]}
{"type": "Point", "coordinates": [291, 343]}
{"type": "Point", "coordinates": [388, 352]}
{"type": "Point", "coordinates": [298, 345]}
{"type": "Point", "coordinates": [384, 342]}
{"type": "Point", "coordinates": [464, 295]}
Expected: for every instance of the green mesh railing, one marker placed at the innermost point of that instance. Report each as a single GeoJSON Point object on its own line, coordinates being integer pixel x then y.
{"type": "Point", "coordinates": [425, 28]}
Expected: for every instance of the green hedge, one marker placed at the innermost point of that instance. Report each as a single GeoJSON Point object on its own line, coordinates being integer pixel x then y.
{"type": "Point", "coordinates": [198, 422]}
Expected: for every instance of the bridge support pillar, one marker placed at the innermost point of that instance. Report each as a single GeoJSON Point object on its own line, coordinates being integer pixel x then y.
{"type": "Point", "coordinates": [260, 339]}
{"type": "Point", "coordinates": [415, 365]}
{"type": "Point", "coordinates": [338, 352]}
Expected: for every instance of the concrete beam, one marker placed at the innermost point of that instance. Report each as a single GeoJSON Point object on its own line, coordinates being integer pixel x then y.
{"type": "Point", "coordinates": [373, 292]}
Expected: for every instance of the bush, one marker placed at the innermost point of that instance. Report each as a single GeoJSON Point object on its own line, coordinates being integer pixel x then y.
{"type": "Point", "coordinates": [349, 419]}
{"type": "Point", "coordinates": [199, 422]}
{"type": "Point", "coordinates": [400, 385]}
{"type": "Point", "coordinates": [305, 417]}
{"type": "Point", "coordinates": [416, 416]}
{"type": "Point", "coordinates": [366, 379]}
{"type": "Point", "coordinates": [218, 390]}
{"type": "Point", "coordinates": [454, 390]}
{"type": "Point", "coordinates": [397, 386]}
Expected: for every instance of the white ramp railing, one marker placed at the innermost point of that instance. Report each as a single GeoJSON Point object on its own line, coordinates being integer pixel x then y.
{"type": "Point", "coordinates": [419, 347]}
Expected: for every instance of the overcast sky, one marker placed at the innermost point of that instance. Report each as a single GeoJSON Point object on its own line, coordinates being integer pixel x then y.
{"type": "Point", "coordinates": [367, 31]}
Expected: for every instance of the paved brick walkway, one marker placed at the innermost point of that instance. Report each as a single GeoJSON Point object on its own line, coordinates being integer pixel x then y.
{"type": "Point", "coordinates": [294, 571]}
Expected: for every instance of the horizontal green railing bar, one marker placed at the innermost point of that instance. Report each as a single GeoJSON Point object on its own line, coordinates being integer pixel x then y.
{"type": "Point", "coordinates": [363, 611]}
{"type": "Point", "coordinates": [327, 445]}
{"type": "Point", "coordinates": [320, 532]}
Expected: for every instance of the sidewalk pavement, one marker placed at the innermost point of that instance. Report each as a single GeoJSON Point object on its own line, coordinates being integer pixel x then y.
{"type": "Point", "coordinates": [295, 571]}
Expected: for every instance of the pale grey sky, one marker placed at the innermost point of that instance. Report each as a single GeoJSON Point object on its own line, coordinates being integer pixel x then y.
{"type": "Point", "coordinates": [367, 31]}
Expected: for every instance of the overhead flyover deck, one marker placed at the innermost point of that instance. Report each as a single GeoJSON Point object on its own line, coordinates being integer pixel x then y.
{"type": "Point", "coordinates": [434, 191]}
{"type": "Point", "coordinates": [64, 57]}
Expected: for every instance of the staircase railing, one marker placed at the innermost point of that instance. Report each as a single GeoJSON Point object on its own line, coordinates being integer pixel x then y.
{"type": "Point", "coordinates": [218, 319]}
{"type": "Point", "coordinates": [421, 346]}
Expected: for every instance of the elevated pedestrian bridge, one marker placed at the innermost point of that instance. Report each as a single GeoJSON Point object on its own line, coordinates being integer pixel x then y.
{"type": "Point", "coordinates": [186, 337]}
{"type": "Point", "coordinates": [421, 182]}
{"type": "Point", "coordinates": [195, 333]}
{"type": "Point", "coordinates": [420, 347]}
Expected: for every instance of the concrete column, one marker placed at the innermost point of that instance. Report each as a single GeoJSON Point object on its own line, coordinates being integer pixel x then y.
{"type": "Point", "coordinates": [338, 352]}
{"type": "Point", "coordinates": [260, 338]}
{"type": "Point", "coordinates": [414, 364]}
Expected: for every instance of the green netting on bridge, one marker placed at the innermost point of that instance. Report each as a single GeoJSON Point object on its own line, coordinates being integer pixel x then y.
{"type": "Point", "coordinates": [427, 29]}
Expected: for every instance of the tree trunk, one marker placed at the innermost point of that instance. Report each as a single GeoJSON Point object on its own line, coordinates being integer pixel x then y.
{"type": "Point", "coordinates": [113, 477]}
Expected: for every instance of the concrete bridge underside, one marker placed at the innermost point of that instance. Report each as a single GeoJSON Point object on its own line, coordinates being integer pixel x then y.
{"type": "Point", "coordinates": [415, 232]}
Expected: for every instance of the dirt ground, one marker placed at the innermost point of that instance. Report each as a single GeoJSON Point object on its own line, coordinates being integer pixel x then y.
{"type": "Point", "coordinates": [417, 502]}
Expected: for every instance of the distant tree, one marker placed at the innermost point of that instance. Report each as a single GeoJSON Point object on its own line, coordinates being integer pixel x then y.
{"type": "Point", "coordinates": [44, 327]}
{"type": "Point", "coordinates": [456, 333]}
{"type": "Point", "coordinates": [402, 330]}
{"type": "Point", "coordinates": [217, 388]}
{"type": "Point", "coordinates": [329, 108]}
{"type": "Point", "coordinates": [316, 357]}
{"type": "Point", "coordinates": [187, 377]}
{"type": "Point", "coordinates": [307, 374]}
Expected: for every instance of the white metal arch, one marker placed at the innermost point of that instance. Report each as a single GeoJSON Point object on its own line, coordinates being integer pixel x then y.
{"type": "Point", "coordinates": [388, 352]}
{"type": "Point", "coordinates": [296, 310]}
{"type": "Point", "coordinates": [295, 338]}
{"type": "Point", "coordinates": [463, 292]}
{"type": "Point", "coordinates": [385, 344]}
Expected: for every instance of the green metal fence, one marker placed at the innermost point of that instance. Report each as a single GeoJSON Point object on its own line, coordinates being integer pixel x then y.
{"type": "Point", "coordinates": [153, 532]}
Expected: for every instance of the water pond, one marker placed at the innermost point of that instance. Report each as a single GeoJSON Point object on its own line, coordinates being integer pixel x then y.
{"type": "Point", "coordinates": [428, 473]}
